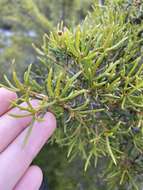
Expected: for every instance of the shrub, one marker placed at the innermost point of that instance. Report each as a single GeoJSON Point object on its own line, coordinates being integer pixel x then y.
{"type": "Point", "coordinates": [91, 78]}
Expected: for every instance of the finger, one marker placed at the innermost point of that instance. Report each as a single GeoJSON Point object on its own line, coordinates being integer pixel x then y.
{"type": "Point", "coordinates": [18, 158]}
{"type": "Point", "coordinates": [10, 126]}
{"type": "Point", "coordinates": [31, 180]}
{"type": "Point", "coordinates": [6, 96]}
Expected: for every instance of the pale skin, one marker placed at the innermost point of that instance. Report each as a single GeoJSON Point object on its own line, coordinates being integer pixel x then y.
{"type": "Point", "coordinates": [16, 172]}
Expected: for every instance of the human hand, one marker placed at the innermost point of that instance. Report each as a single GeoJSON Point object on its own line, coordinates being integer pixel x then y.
{"type": "Point", "coordinates": [15, 170]}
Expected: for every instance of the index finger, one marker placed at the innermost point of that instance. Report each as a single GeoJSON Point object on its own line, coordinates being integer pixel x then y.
{"type": "Point", "coordinates": [6, 97]}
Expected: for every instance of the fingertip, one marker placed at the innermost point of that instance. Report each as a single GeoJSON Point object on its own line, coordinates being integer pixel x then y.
{"type": "Point", "coordinates": [6, 97]}
{"type": "Point", "coordinates": [5, 91]}
{"type": "Point", "coordinates": [38, 174]}
{"type": "Point", "coordinates": [31, 180]}
{"type": "Point", "coordinates": [51, 119]}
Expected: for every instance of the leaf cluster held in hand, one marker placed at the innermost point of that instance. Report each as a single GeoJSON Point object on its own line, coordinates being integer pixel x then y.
{"type": "Point", "coordinates": [91, 78]}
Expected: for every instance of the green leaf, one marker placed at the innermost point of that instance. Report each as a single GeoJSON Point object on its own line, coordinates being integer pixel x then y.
{"type": "Point", "coordinates": [69, 83]}
{"type": "Point", "coordinates": [88, 161]}
{"type": "Point", "coordinates": [73, 95]}
{"type": "Point", "coordinates": [58, 85]}
{"type": "Point", "coordinates": [50, 84]}
{"type": "Point", "coordinates": [12, 87]}
{"type": "Point", "coordinates": [118, 45]}
{"type": "Point", "coordinates": [29, 131]}
{"type": "Point", "coordinates": [18, 84]}
{"type": "Point", "coordinates": [27, 75]}
{"type": "Point", "coordinates": [110, 150]}
{"type": "Point", "coordinates": [77, 38]}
